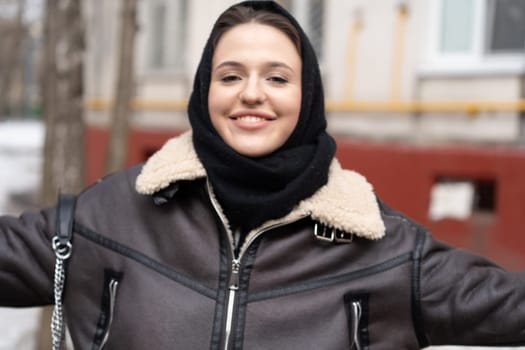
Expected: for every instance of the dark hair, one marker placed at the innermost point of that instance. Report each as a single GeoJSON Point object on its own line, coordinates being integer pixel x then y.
{"type": "Point", "coordinates": [240, 14]}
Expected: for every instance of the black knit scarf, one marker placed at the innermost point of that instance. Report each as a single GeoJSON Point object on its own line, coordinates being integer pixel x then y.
{"type": "Point", "coordinates": [254, 190]}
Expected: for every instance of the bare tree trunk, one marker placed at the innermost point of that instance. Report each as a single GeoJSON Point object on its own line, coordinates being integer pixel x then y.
{"type": "Point", "coordinates": [124, 89]}
{"type": "Point", "coordinates": [62, 92]}
{"type": "Point", "coordinates": [11, 56]}
{"type": "Point", "coordinates": [62, 97]}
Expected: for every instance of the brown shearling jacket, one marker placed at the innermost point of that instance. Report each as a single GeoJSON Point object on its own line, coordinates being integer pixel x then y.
{"type": "Point", "coordinates": [154, 267]}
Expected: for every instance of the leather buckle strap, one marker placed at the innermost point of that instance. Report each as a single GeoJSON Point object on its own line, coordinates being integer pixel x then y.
{"type": "Point", "coordinates": [332, 235]}
{"type": "Point", "coordinates": [64, 225]}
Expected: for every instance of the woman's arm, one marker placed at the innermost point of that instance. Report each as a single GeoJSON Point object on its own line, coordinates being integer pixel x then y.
{"type": "Point", "coordinates": [27, 259]}
{"type": "Point", "coordinates": [468, 300]}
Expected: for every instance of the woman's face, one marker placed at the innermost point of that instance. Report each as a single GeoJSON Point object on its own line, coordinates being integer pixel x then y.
{"type": "Point", "coordinates": [255, 91]}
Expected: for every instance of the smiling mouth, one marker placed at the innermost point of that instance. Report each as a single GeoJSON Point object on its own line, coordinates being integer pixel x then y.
{"type": "Point", "coordinates": [251, 119]}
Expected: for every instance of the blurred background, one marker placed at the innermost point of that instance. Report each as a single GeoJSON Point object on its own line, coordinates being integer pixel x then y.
{"type": "Point", "coordinates": [425, 98]}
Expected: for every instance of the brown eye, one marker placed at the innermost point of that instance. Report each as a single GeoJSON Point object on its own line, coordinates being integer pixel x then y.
{"type": "Point", "coordinates": [230, 78]}
{"type": "Point", "coordinates": [278, 80]}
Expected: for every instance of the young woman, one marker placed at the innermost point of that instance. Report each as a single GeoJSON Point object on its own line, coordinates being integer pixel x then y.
{"type": "Point", "coordinates": [245, 233]}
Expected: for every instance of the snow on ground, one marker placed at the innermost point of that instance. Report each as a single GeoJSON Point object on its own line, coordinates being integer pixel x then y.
{"type": "Point", "coordinates": [20, 161]}
{"type": "Point", "coordinates": [20, 158]}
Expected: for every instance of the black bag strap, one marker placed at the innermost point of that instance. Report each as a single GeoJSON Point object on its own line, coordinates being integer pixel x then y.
{"type": "Point", "coordinates": [65, 216]}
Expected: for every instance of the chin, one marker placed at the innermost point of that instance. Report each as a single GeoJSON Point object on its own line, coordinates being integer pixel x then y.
{"type": "Point", "coordinates": [252, 151]}
{"type": "Point", "coordinates": [250, 146]}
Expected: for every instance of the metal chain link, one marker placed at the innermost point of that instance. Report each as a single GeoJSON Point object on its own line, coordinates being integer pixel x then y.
{"type": "Point", "coordinates": [62, 253]}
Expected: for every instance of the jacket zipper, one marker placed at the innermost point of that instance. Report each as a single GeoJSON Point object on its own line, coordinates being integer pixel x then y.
{"type": "Point", "coordinates": [356, 319]}
{"type": "Point", "coordinates": [236, 263]}
{"type": "Point", "coordinates": [233, 286]}
{"type": "Point", "coordinates": [112, 288]}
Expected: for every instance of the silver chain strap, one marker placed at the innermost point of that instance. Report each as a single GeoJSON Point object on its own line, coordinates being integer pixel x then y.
{"type": "Point", "coordinates": [62, 253]}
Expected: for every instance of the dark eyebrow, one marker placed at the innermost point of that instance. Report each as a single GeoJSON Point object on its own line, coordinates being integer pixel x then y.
{"type": "Point", "coordinates": [235, 64]}
{"type": "Point", "coordinates": [280, 65]}
{"type": "Point", "coordinates": [229, 63]}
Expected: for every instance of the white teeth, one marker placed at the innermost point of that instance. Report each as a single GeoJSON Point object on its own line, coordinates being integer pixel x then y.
{"type": "Point", "coordinates": [250, 119]}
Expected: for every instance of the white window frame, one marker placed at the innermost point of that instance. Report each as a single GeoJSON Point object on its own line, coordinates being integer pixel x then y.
{"type": "Point", "coordinates": [174, 53]}
{"type": "Point", "coordinates": [477, 61]}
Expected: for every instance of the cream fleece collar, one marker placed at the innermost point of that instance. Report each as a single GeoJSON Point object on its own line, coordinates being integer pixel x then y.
{"type": "Point", "coordinates": [347, 202]}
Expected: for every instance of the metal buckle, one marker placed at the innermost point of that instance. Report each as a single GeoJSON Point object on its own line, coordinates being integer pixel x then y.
{"type": "Point", "coordinates": [62, 251]}
{"type": "Point", "coordinates": [331, 235]}
{"type": "Point", "coordinates": [324, 234]}
{"type": "Point", "coordinates": [344, 237]}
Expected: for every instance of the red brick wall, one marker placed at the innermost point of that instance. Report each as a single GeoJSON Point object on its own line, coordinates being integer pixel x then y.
{"type": "Point", "coordinates": [403, 176]}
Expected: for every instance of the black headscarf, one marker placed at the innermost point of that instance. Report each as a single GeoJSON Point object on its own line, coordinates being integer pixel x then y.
{"type": "Point", "coordinates": [254, 190]}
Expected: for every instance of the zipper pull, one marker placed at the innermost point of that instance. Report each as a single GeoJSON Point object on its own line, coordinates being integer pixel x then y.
{"type": "Point", "coordinates": [112, 287]}
{"type": "Point", "coordinates": [234, 277]}
{"type": "Point", "coordinates": [356, 319]}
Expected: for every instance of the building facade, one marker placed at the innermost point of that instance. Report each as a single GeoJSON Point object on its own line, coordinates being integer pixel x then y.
{"type": "Point", "coordinates": [425, 97]}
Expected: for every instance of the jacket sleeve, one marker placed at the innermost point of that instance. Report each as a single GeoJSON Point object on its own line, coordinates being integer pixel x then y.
{"type": "Point", "coordinates": [26, 259]}
{"type": "Point", "coordinates": [468, 300]}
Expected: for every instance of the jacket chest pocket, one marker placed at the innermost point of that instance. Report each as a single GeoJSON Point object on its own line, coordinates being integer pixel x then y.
{"type": "Point", "coordinates": [112, 281]}
{"type": "Point", "coordinates": [356, 306]}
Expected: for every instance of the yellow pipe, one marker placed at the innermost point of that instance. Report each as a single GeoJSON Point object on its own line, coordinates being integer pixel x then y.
{"type": "Point", "coordinates": [97, 104]}
{"type": "Point", "coordinates": [407, 106]}
{"type": "Point", "coordinates": [346, 105]}
{"type": "Point", "coordinates": [397, 52]}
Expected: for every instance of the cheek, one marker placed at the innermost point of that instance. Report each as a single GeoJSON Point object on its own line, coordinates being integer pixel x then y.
{"type": "Point", "coordinates": [294, 109]}
{"type": "Point", "coordinates": [291, 125]}
{"type": "Point", "coordinates": [214, 105]}
{"type": "Point", "coordinates": [211, 99]}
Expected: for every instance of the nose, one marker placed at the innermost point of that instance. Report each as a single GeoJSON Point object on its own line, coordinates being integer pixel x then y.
{"type": "Point", "coordinates": [252, 92]}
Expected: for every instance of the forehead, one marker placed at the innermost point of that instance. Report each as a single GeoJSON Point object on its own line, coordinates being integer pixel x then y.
{"type": "Point", "coordinates": [248, 40]}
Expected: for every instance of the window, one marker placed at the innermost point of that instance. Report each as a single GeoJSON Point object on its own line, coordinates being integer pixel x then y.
{"type": "Point", "coordinates": [457, 24]}
{"type": "Point", "coordinates": [167, 32]}
{"type": "Point", "coordinates": [477, 34]}
{"type": "Point", "coordinates": [461, 198]}
{"type": "Point", "coordinates": [507, 24]}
